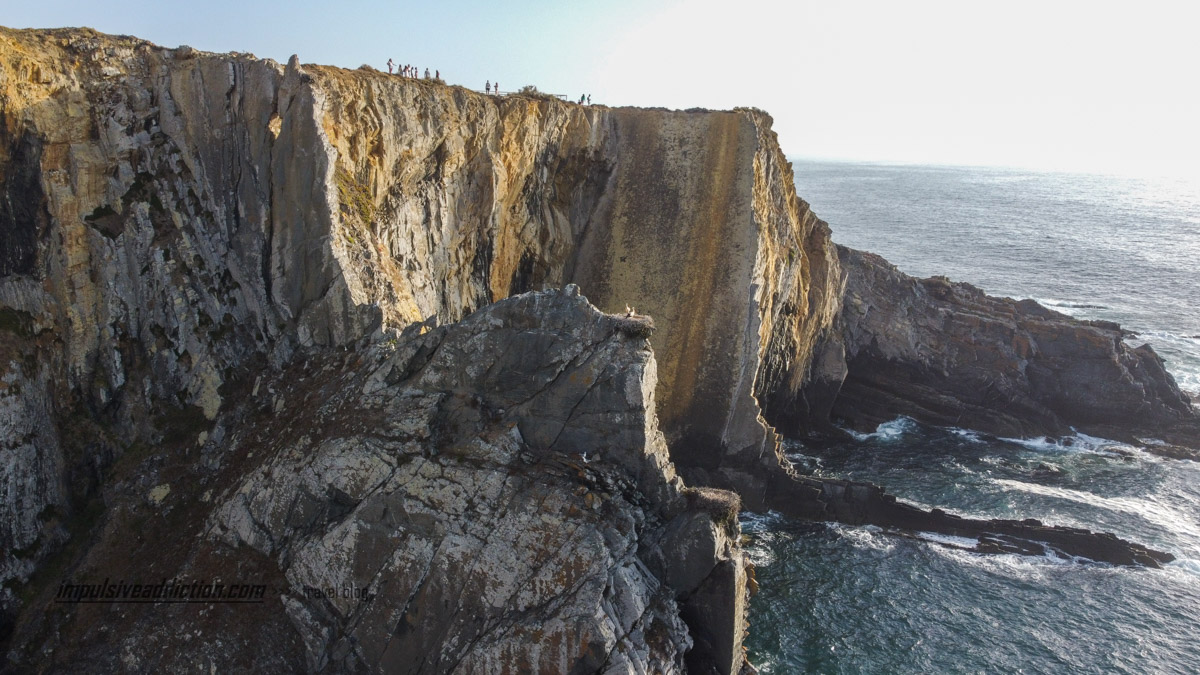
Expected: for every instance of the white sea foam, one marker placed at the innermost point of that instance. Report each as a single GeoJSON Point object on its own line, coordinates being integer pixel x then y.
{"type": "Point", "coordinates": [1076, 443]}
{"type": "Point", "coordinates": [948, 540]}
{"type": "Point", "coordinates": [1149, 509]}
{"type": "Point", "coordinates": [1069, 307]}
{"type": "Point", "coordinates": [1024, 567]}
{"type": "Point", "coordinates": [973, 436]}
{"type": "Point", "coordinates": [866, 536]}
{"type": "Point", "coordinates": [888, 431]}
{"type": "Point", "coordinates": [1187, 566]}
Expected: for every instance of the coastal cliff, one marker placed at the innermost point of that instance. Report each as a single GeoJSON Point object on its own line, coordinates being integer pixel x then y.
{"type": "Point", "coordinates": [438, 504]}
{"type": "Point", "coordinates": [187, 223]}
{"type": "Point", "coordinates": [947, 354]}
{"type": "Point", "coordinates": [271, 318]}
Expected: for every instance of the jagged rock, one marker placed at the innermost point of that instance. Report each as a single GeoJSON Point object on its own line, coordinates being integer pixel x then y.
{"type": "Point", "coordinates": [184, 219]}
{"type": "Point", "coordinates": [194, 244]}
{"type": "Point", "coordinates": [471, 508]}
{"type": "Point", "coordinates": [859, 503]}
{"type": "Point", "coordinates": [946, 354]}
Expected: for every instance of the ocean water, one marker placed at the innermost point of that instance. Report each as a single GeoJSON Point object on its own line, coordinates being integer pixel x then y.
{"type": "Point", "coordinates": [841, 599]}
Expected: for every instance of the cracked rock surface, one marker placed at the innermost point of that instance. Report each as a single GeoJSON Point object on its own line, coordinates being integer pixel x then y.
{"type": "Point", "coordinates": [446, 503]}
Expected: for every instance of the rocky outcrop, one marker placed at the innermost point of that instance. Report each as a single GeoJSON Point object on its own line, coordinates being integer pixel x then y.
{"type": "Point", "coordinates": [207, 257]}
{"type": "Point", "coordinates": [432, 504]}
{"type": "Point", "coordinates": [945, 353]}
{"type": "Point", "coordinates": [176, 220]}
{"type": "Point", "coordinates": [859, 503]}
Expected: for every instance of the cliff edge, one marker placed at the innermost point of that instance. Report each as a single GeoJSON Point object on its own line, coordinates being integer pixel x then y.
{"type": "Point", "coordinates": [318, 293]}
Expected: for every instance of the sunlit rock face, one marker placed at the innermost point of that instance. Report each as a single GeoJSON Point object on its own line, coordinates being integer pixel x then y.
{"type": "Point", "coordinates": [178, 225]}
{"type": "Point", "coordinates": [195, 248]}
{"type": "Point", "coordinates": [175, 220]}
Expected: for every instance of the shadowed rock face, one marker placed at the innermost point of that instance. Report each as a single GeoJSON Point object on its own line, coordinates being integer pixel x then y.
{"type": "Point", "coordinates": [947, 354]}
{"type": "Point", "coordinates": [491, 513]}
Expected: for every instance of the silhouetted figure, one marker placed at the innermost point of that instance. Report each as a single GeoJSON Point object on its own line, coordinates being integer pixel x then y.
{"type": "Point", "coordinates": [589, 99]}
{"type": "Point", "coordinates": [496, 88]}
{"type": "Point", "coordinates": [487, 87]}
{"type": "Point", "coordinates": [437, 74]}
{"type": "Point", "coordinates": [581, 97]}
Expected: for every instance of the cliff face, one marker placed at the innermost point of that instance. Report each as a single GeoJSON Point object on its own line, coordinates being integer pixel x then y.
{"type": "Point", "coordinates": [444, 503]}
{"type": "Point", "coordinates": [947, 354]}
{"type": "Point", "coordinates": [204, 257]}
{"type": "Point", "coordinates": [449, 200]}
{"type": "Point", "coordinates": [173, 219]}
{"type": "Point", "coordinates": [176, 222]}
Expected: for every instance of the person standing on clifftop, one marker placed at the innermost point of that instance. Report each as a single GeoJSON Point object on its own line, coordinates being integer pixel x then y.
{"type": "Point", "coordinates": [390, 66]}
{"type": "Point", "coordinates": [487, 87]}
{"type": "Point", "coordinates": [589, 99]}
{"type": "Point", "coordinates": [437, 74]}
{"type": "Point", "coordinates": [427, 73]}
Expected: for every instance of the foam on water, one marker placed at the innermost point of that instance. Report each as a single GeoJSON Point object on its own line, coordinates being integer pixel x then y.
{"type": "Point", "coordinates": [973, 436]}
{"type": "Point", "coordinates": [1152, 511]}
{"type": "Point", "coordinates": [1186, 566]}
{"type": "Point", "coordinates": [851, 599]}
{"type": "Point", "coordinates": [1070, 308]}
{"type": "Point", "coordinates": [886, 432]}
{"type": "Point", "coordinates": [1076, 443]}
{"type": "Point", "coordinates": [864, 536]}
{"type": "Point", "coordinates": [948, 540]}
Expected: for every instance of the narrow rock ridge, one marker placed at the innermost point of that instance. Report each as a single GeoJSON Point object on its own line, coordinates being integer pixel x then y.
{"type": "Point", "coordinates": [860, 503]}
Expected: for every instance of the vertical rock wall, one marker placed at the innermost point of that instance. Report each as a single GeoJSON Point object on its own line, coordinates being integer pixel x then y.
{"type": "Point", "coordinates": [176, 221]}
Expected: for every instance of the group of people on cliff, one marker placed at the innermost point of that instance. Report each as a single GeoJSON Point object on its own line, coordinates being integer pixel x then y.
{"type": "Point", "coordinates": [410, 71]}
{"type": "Point", "coordinates": [488, 86]}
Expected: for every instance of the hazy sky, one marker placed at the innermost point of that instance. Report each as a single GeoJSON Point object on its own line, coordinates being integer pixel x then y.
{"type": "Point", "coordinates": [1102, 86]}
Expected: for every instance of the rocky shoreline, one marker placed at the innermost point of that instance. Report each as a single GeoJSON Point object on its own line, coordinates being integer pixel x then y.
{"type": "Point", "coordinates": [298, 325]}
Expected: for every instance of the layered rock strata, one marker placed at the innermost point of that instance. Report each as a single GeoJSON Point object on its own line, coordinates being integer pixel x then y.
{"type": "Point", "coordinates": [179, 228]}
{"type": "Point", "coordinates": [946, 354]}
{"type": "Point", "coordinates": [173, 216]}
{"type": "Point", "coordinates": [434, 504]}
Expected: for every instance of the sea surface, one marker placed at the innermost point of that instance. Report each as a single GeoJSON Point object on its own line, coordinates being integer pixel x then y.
{"type": "Point", "coordinates": [841, 599]}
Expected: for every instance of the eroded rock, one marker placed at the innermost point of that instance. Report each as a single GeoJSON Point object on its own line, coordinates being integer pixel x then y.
{"type": "Point", "coordinates": [448, 503]}
{"type": "Point", "coordinates": [947, 354]}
